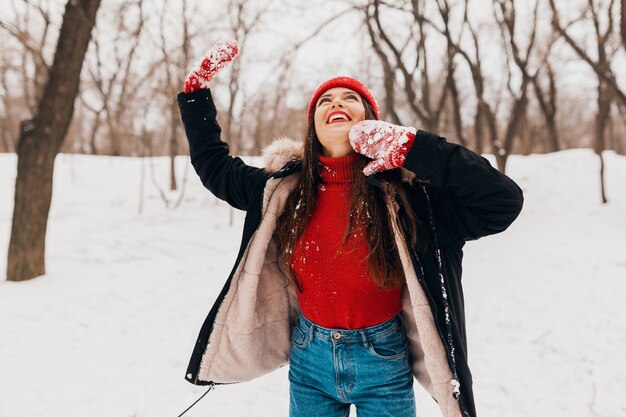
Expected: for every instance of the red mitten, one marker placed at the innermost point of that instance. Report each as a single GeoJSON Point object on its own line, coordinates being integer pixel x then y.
{"type": "Point", "coordinates": [221, 54]}
{"type": "Point", "coordinates": [387, 144]}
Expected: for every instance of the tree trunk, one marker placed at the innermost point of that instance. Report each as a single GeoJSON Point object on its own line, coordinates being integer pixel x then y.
{"type": "Point", "coordinates": [496, 144]}
{"type": "Point", "coordinates": [93, 149]}
{"type": "Point", "coordinates": [604, 108]}
{"type": "Point", "coordinates": [553, 132]}
{"type": "Point", "coordinates": [623, 23]}
{"type": "Point", "coordinates": [232, 140]}
{"type": "Point", "coordinates": [40, 141]}
{"type": "Point", "coordinates": [478, 130]}
{"type": "Point", "coordinates": [174, 121]}
{"type": "Point", "coordinates": [526, 135]}
{"type": "Point", "coordinates": [555, 142]}
{"type": "Point", "coordinates": [388, 73]}
{"type": "Point", "coordinates": [7, 123]}
{"type": "Point", "coordinates": [456, 106]}
{"type": "Point", "coordinates": [548, 105]}
{"type": "Point", "coordinates": [617, 138]}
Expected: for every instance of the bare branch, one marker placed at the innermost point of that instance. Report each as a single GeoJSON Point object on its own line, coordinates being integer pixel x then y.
{"type": "Point", "coordinates": [602, 71]}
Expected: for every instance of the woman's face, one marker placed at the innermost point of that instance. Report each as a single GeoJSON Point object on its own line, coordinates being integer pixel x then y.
{"type": "Point", "coordinates": [336, 111]}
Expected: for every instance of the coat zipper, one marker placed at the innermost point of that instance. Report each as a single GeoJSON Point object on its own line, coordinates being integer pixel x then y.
{"type": "Point", "coordinates": [431, 301]}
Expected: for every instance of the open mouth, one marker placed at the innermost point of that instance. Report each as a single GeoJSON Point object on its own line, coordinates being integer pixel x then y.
{"type": "Point", "coordinates": [338, 117]}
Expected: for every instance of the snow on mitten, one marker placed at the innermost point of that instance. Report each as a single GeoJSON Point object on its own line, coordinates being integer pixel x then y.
{"type": "Point", "coordinates": [387, 144]}
{"type": "Point", "coordinates": [221, 54]}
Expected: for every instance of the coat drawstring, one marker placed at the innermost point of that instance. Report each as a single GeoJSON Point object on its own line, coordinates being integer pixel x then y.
{"type": "Point", "coordinates": [211, 386]}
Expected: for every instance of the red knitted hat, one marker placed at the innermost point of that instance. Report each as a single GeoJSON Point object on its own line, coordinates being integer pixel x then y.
{"type": "Point", "coordinates": [347, 82]}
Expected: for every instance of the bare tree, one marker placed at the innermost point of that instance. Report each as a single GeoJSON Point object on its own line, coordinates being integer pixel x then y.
{"type": "Point", "coordinates": [607, 90]}
{"type": "Point", "coordinates": [603, 41]}
{"type": "Point", "coordinates": [623, 23]}
{"type": "Point", "coordinates": [175, 62]}
{"type": "Point", "coordinates": [266, 108]}
{"type": "Point", "coordinates": [453, 90]}
{"type": "Point", "coordinates": [6, 121]}
{"type": "Point", "coordinates": [548, 99]}
{"type": "Point", "coordinates": [506, 17]}
{"type": "Point", "coordinates": [113, 83]}
{"type": "Point", "coordinates": [244, 20]}
{"type": "Point", "coordinates": [388, 70]}
{"type": "Point", "coordinates": [415, 82]}
{"type": "Point", "coordinates": [40, 140]}
{"type": "Point", "coordinates": [28, 37]}
{"type": "Point", "coordinates": [97, 112]}
{"type": "Point", "coordinates": [485, 115]}
{"type": "Point", "coordinates": [32, 30]}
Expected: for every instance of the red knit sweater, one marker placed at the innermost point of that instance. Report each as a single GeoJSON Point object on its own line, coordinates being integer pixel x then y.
{"type": "Point", "coordinates": [337, 291]}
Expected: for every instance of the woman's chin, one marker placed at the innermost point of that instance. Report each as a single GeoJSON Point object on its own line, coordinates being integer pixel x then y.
{"type": "Point", "coordinates": [339, 128]}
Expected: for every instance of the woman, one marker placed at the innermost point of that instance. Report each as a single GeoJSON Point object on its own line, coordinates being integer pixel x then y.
{"type": "Point", "coordinates": [350, 262]}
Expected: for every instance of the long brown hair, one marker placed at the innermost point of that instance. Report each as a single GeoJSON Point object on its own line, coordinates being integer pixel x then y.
{"type": "Point", "coordinates": [368, 207]}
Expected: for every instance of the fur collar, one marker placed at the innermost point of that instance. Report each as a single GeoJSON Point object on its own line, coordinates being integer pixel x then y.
{"type": "Point", "coordinates": [281, 151]}
{"type": "Point", "coordinates": [284, 149]}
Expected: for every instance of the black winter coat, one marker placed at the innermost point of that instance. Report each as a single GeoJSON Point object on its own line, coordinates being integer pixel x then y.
{"type": "Point", "coordinates": [456, 194]}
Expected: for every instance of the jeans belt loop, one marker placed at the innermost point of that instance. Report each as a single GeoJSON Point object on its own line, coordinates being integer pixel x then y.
{"type": "Point", "coordinates": [366, 343]}
{"type": "Point", "coordinates": [311, 331]}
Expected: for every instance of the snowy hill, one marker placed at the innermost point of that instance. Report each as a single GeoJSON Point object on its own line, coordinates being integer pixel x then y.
{"type": "Point", "coordinates": [108, 331]}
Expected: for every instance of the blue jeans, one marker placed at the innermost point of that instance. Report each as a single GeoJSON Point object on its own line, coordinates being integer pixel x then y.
{"type": "Point", "coordinates": [333, 368]}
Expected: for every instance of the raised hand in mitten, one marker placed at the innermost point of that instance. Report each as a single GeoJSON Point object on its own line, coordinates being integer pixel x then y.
{"type": "Point", "coordinates": [387, 144]}
{"type": "Point", "coordinates": [221, 54]}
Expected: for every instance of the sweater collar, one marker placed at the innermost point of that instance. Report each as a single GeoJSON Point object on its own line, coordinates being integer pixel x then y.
{"type": "Point", "coordinates": [337, 170]}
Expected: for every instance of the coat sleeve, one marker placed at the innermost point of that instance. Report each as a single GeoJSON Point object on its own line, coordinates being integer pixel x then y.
{"type": "Point", "coordinates": [227, 177]}
{"type": "Point", "coordinates": [471, 197]}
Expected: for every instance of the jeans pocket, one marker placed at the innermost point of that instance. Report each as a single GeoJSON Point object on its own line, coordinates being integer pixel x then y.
{"type": "Point", "coordinates": [299, 338]}
{"type": "Point", "coordinates": [390, 345]}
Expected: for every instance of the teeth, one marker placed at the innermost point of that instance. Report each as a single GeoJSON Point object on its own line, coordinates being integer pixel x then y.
{"type": "Point", "coordinates": [337, 116]}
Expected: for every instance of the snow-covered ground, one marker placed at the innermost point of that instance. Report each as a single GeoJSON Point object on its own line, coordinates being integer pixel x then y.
{"type": "Point", "coordinates": [109, 329]}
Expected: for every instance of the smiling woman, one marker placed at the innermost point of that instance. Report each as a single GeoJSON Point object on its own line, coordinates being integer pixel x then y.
{"type": "Point", "coordinates": [336, 112]}
{"type": "Point", "coordinates": [350, 262]}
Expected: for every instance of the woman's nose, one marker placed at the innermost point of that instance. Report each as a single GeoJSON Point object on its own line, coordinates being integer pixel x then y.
{"type": "Point", "coordinates": [336, 101]}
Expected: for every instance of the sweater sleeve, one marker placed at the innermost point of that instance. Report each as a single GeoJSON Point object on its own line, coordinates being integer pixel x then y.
{"type": "Point", "coordinates": [469, 195]}
{"type": "Point", "coordinates": [227, 177]}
